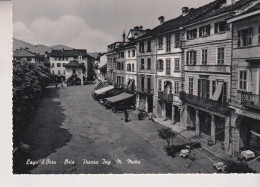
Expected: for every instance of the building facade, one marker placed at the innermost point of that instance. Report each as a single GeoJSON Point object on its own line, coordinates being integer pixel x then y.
{"type": "Point", "coordinates": [24, 55]}
{"type": "Point", "coordinates": [245, 89]}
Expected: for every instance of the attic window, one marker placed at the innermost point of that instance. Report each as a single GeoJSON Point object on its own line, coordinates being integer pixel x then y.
{"type": "Point", "coordinates": [191, 34]}
{"type": "Point", "coordinates": [204, 31]}
{"type": "Point", "coordinates": [221, 27]}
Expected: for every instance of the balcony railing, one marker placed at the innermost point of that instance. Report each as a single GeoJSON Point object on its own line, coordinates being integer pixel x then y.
{"type": "Point", "coordinates": [205, 103]}
{"type": "Point", "coordinates": [145, 91]}
{"type": "Point", "coordinates": [165, 97]}
{"type": "Point", "coordinates": [250, 100]}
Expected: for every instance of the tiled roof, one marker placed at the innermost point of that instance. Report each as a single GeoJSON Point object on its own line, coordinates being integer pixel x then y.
{"type": "Point", "coordinates": [73, 63]}
{"type": "Point", "coordinates": [212, 9]}
{"type": "Point", "coordinates": [24, 53]}
{"type": "Point", "coordinates": [68, 53]}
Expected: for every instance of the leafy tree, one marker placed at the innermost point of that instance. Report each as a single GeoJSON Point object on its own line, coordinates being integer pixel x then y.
{"type": "Point", "coordinates": [238, 167]}
{"type": "Point", "coordinates": [29, 83]}
{"type": "Point", "coordinates": [166, 134]}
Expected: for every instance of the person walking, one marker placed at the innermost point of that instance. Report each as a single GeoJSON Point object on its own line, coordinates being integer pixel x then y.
{"type": "Point", "coordinates": [126, 115]}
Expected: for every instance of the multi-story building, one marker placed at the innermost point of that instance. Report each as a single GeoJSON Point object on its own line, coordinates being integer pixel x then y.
{"type": "Point", "coordinates": [111, 61]}
{"type": "Point", "coordinates": [58, 58]}
{"type": "Point", "coordinates": [245, 87]}
{"type": "Point", "coordinates": [207, 48]}
{"type": "Point", "coordinates": [24, 55]}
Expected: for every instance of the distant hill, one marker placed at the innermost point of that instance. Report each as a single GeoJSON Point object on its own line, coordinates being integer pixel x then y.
{"type": "Point", "coordinates": [17, 44]}
{"type": "Point", "coordinates": [94, 54]}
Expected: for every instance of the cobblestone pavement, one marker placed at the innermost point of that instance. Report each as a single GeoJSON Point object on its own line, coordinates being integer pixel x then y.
{"type": "Point", "coordinates": [98, 136]}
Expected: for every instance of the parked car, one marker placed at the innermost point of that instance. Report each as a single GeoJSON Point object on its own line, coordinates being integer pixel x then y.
{"type": "Point", "coordinates": [219, 166]}
{"type": "Point", "coordinates": [246, 155]}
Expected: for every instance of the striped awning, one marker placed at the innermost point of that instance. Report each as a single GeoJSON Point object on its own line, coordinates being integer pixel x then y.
{"type": "Point", "coordinates": [103, 90]}
{"type": "Point", "coordinates": [119, 97]}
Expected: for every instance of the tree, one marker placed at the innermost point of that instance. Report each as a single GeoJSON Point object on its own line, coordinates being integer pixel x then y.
{"type": "Point", "coordinates": [166, 134]}
{"type": "Point", "coordinates": [238, 167]}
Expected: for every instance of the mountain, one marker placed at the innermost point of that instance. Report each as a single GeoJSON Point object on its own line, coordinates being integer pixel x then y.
{"type": "Point", "coordinates": [17, 44]}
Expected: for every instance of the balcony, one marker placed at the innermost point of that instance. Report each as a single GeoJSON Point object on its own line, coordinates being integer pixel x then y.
{"type": "Point", "coordinates": [250, 100]}
{"type": "Point", "coordinates": [145, 91]}
{"type": "Point", "coordinates": [205, 103]}
{"type": "Point", "coordinates": [208, 68]}
{"type": "Point", "coordinates": [165, 97]}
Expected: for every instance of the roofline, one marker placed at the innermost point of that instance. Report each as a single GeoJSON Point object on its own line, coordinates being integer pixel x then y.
{"type": "Point", "coordinates": [210, 18]}
{"type": "Point", "coordinates": [243, 16]}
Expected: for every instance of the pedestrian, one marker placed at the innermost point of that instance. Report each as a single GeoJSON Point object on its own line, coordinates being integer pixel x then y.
{"type": "Point", "coordinates": [126, 115]}
{"type": "Point", "coordinates": [61, 84]}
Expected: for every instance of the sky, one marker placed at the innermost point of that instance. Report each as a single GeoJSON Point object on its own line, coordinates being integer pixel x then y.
{"type": "Point", "coordinates": [89, 24]}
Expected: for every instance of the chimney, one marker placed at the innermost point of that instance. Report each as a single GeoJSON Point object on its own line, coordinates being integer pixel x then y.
{"type": "Point", "coordinates": [230, 2]}
{"type": "Point", "coordinates": [161, 19]}
{"type": "Point", "coordinates": [185, 11]}
{"type": "Point", "coordinates": [123, 36]}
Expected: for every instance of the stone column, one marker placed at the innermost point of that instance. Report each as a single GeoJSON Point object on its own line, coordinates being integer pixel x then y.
{"type": "Point", "coordinates": [184, 115]}
{"type": "Point", "coordinates": [164, 111]}
{"type": "Point", "coordinates": [173, 116]}
{"type": "Point", "coordinates": [213, 129]}
{"type": "Point", "coordinates": [197, 123]}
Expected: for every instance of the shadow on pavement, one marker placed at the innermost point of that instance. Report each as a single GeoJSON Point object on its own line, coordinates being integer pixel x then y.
{"type": "Point", "coordinates": [44, 134]}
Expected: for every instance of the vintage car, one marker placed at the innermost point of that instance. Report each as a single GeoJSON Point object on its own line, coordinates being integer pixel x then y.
{"type": "Point", "coordinates": [185, 153]}
{"type": "Point", "coordinates": [219, 166]}
{"type": "Point", "coordinates": [247, 155]}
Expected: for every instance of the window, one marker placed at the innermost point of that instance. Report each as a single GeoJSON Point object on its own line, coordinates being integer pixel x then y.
{"type": "Point", "coordinates": [58, 64]}
{"type": "Point", "coordinates": [52, 72]}
{"type": "Point", "coordinates": [142, 83]}
{"type": "Point", "coordinates": [221, 55]}
{"type": "Point", "coordinates": [168, 66]}
{"type": "Point", "coordinates": [133, 53]}
{"type": "Point", "coordinates": [142, 64]}
{"type": "Point", "coordinates": [148, 64]}
{"type": "Point", "coordinates": [245, 37]}
{"type": "Point", "coordinates": [118, 55]}
{"type": "Point", "coordinates": [176, 88]}
{"type": "Point", "coordinates": [58, 71]}
{"type": "Point", "coordinates": [214, 84]}
{"type": "Point", "coordinates": [191, 57]}
{"type": "Point", "coordinates": [243, 80]}
{"type": "Point", "coordinates": [177, 64]}
{"type": "Point", "coordinates": [204, 58]}
{"type": "Point", "coordinates": [191, 34]}
{"type": "Point", "coordinates": [191, 86]}
{"type": "Point", "coordinates": [128, 67]}
{"type": "Point", "coordinates": [129, 53]}
{"type": "Point", "coordinates": [160, 65]}
{"type": "Point", "coordinates": [149, 46]}
{"type": "Point", "coordinates": [63, 64]}
{"type": "Point", "coordinates": [221, 27]}
{"type": "Point", "coordinates": [52, 64]}
{"type": "Point", "coordinates": [64, 72]}
{"type": "Point", "coordinates": [203, 88]}
{"type": "Point", "coordinates": [160, 85]}
{"type": "Point", "coordinates": [177, 40]}
{"type": "Point", "coordinates": [141, 47]}
{"type": "Point", "coordinates": [204, 31]}
{"type": "Point", "coordinates": [224, 93]}
{"type": "Point", "coordinates": [148, 83]}
{"type": "Point", "coordinates": [122, 55]}
{"type": "Point", "coordinates": [168, 43]}
{"type": "Point", "coordinates": [133, 67]}
{"type": "Point", "coordinates": [122, 65]}
{"type": "Point", "coordinates": [160, 42]}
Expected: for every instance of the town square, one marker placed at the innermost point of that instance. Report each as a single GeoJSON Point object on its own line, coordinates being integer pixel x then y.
{"type": "Point", "coordinates": [180, 94]}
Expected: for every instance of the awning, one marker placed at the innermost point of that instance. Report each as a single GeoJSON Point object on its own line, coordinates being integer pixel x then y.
{"type": "Point", "coordinates": [119, 97]}
{"type": "Point", "coordinates": [218, 91]}
{"type": "Point", "coordinates": [103, 90]}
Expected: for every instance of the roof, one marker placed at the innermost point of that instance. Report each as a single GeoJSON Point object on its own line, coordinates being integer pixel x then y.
{"type": "Point", "coordinates": [68, 53]}
{"type": "Point", "coordinates": [25, 53]}
{"type": "Point", "coordinates": [128, 45]}
{"type": "Point", "coordinates": [73, 63]}
{"type": "Point", "coordinates": [200, 14]}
